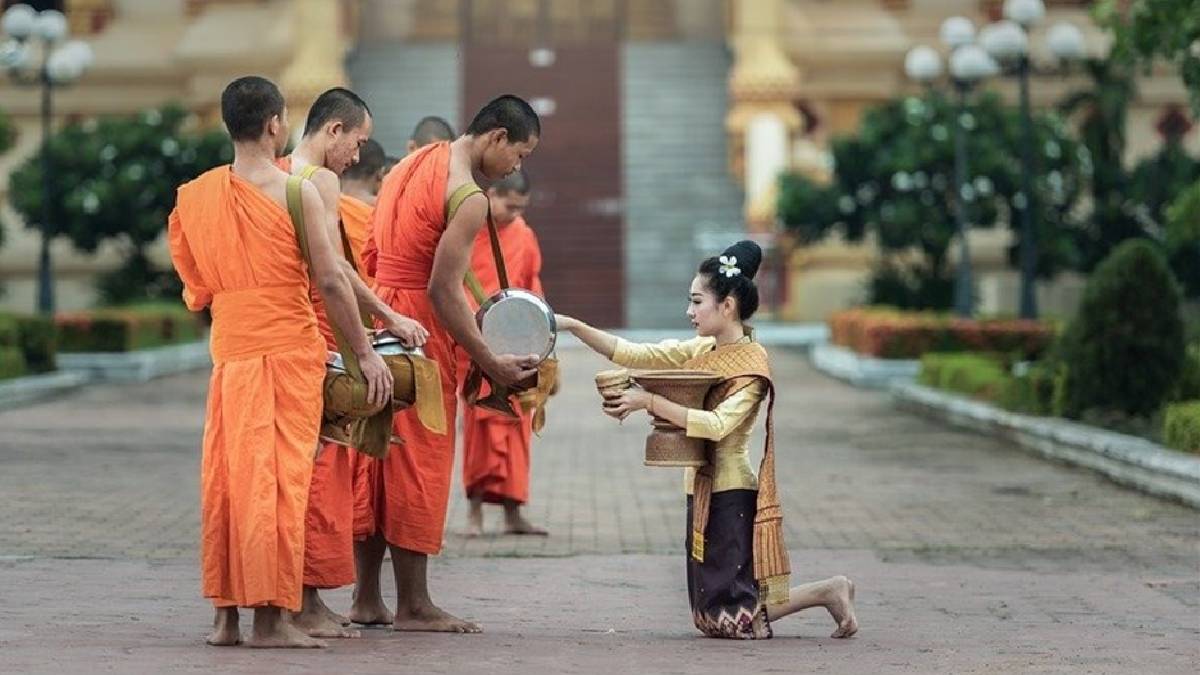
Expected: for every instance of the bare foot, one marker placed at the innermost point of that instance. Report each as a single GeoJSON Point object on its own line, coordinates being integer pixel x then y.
{"type": "Point", "coordinates": [841, 607]}
{"type": "Point", "coordinates": [319, 604]}
{"type": "Point", "coordinates": [475, 520]}
{"type": "Point", "coordinates": [225, 631]}
{"type": "Point", "coordinates": [373, 613]}
{"type": "Point", "coordinates": [283, 635]}
{"type": "Point", "coordinates": [524, 527]}
{"type": "Point", "coordinates": [430, 619]}
{"type": "Point", "coordinates": [319, 624]}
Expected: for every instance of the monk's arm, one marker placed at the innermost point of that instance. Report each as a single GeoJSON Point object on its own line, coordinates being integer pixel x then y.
{"type": "Point", "coordinates": [327, 273]}
{"type": "Point", "coordinates": [450, 264]}
{"type": "Point", "coordinates": [195, 295]}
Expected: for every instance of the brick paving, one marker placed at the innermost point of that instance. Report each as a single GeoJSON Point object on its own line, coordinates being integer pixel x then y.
{"type": "Point", "coordinates": [971, 555]}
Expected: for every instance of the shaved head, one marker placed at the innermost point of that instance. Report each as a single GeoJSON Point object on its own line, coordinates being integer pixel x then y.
{"type": "Point", "coordinates": [431, 130]}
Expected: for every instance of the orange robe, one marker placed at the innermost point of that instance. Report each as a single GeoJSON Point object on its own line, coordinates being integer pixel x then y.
{"type": "Point", "coordinates": [235, 250]}
{"type": "Point", "coordinates": [410, 488]}
{"type": "Point", "coordinates": [329, 520]}
{"type": "Point", "coordinates": [496, 448]}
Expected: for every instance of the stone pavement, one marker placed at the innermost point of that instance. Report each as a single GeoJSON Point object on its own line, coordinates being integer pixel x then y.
{"type": "Point", "coordinates": [970, 555]}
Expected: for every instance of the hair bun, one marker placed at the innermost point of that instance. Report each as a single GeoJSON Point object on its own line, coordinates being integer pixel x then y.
{"type": "Point", "coordinates": [749, 257]}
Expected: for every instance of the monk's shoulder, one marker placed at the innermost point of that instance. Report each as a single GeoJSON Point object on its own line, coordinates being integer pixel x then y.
{"type": "Point", "coordinates": [202, 186]}
{"type": "Point", "coordinates": [327, 184]}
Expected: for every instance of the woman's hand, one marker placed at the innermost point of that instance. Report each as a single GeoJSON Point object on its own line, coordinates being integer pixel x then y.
{"type": "Point", "coordinates": [629, 401]}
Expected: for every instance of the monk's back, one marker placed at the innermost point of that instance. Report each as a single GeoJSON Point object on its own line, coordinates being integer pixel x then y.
{"type": "Point", "coordinates": [410, 217]}
{"type": "Point", "coordinates": [246, 264]}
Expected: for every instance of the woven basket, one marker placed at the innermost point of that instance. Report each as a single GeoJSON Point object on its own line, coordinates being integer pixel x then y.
{"type": "Point", "coordinates": [667, 444]}
{"type": "Point", "coordinates": [611, 383]}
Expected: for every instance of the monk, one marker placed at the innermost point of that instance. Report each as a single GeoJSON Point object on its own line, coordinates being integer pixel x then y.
{"type": "Point", "coordinates": [235, 249]}
{"type": "Point", "coordinates": [338, 126]}
{"type": "Point", "coordinates": [364, 178]}
{"type": "Point", "coordinates": [418, 261]}
{"type": "Point", "coordinates": [496, 447]}
{"type": "Point", "coordinates": [368, 607]}
{"type": "Point", "coordinates": [429, 130]}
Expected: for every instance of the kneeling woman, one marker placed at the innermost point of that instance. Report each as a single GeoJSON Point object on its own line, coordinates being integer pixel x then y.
{"type": "Point", "coordinates": [737, 567]}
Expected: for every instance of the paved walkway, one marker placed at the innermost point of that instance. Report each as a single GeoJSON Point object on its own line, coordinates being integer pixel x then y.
{"type": "Point", "coordinates": [970, 555]}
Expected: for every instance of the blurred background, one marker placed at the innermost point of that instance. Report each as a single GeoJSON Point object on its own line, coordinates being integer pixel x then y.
{"type": "Point", "coordinates": [672, 127]}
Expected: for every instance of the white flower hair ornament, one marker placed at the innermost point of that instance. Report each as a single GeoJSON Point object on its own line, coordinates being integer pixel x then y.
{"type": "Point", "coordinates": [729, 266]}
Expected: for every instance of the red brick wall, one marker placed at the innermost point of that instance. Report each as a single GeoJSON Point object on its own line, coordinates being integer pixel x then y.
{"type": "Point", "coordinates": [575, 171]}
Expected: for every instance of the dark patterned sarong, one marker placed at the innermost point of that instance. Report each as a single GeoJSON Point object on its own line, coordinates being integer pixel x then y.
{"type": "Point", "coordinates": [723, 592]}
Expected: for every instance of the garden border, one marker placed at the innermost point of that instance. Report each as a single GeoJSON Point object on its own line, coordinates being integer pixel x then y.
{"type": "Point", "coordinates": [1128, 460]}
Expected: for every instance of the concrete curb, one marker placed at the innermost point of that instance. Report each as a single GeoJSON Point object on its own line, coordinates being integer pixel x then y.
{"type": "Point", "coordinates": [138, 366]}
{"type": "Point", "coordinates": [1128, 460]}
{"type": "Point", "coordinates": [862, 371]}
{"type": "Point", "coordinates": [24, 390]}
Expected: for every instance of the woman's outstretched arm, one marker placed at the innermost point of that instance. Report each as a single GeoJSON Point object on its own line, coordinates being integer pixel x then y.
{"type": "Point", "coordinates": [604, 344]}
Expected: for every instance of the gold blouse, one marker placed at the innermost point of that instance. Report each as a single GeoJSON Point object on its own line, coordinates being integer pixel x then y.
{"type": "Point", "coordinates": [730, 424]}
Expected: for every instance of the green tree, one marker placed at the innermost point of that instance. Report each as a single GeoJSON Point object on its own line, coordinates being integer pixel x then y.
{"type": "Point", "coordinates": [1146, 30]}
{"type": "Point", "coordinates": [895, 179]}
{"type": "Point", "coordinates": [115, 179]}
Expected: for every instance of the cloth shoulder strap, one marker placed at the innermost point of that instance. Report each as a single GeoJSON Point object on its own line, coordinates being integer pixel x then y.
{"type": "Point", "coordinates": [460, 195]}
{"type": "Point", "coordinates": [307, 173]}
{"type": "Point", "coordinates": [295, 206]}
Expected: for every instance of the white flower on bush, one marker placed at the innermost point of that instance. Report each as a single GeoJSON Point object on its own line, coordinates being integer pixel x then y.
{"type": "Point", "coordinates": [169, 147]}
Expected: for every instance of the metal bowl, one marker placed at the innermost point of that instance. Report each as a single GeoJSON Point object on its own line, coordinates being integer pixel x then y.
{"type": "Point", "coordinates": [516, 321]}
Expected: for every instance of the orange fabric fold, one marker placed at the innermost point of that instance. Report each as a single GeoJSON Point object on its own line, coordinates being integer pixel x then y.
{"type": "Point", "coordinates": [329, 520]}
{"type": "Point", "coordinates": [410, 488]}
{"type": "Point", "coordinates": [496, 448]}
{"type": "Point", "coordinates": [235, 249]}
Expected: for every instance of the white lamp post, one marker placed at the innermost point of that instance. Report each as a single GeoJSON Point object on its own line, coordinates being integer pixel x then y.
{"type": "Point", "coordinates": [1008, 42]}
{"type": "Point", "coordinates": [969, 64]}
{"type": "Point", "coordinates": [61, 64]}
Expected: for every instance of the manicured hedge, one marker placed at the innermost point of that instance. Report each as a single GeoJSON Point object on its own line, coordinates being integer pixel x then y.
{"type": "Point", "coordinates": [1036, 391]}
{"type": "Point", "coordinates": [126, 328]}
{"type": "Point", "coordinates": [891, 334]}
{"type": "Point", "coordinates": [1181, 426]}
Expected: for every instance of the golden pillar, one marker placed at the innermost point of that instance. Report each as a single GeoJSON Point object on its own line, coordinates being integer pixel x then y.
{"type": "Point", "coordinates": [763, 120]}
{"type": "Point", "coordinates": [319, 46]}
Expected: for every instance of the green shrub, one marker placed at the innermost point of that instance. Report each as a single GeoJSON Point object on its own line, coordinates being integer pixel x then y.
{"type": "Point", "coordinates": [1188, 386]}
{"type": "Point", "coordinates": [39, 343]}
{"type": "Point", "coordinates": [977, 375]}
{"type": "Point", "coordinates": [10, 332]}
{"type": "Point", "coordinates": [1181, 426]}
{"type": "Point", "coordinates": [12, 363]}
{"type": "Point", "coordinates": [1034, 392]}
{"type": "Point", "coordinates": [1124, 350]}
